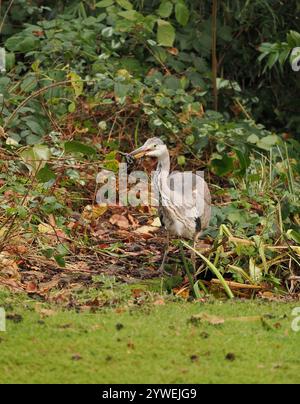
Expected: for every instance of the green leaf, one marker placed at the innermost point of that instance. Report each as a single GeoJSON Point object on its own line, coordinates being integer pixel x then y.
{"type": "Point", "coordinates": [125, 4]}
{"type": "Point", "coordinates": [45, 174]}
{"type": "Point", "coordinates": [165, 33]}
{"type": "Point", "coordinates": [271, 140]}
{"type": "Point", "coordinates": [130, 15]}
{"type": "Point", "coordinates": [121, 90]}
{"type": "Point", "coordinates": [222, 165]}
{"type": "Point", "coordinates": [19, 43]}
{"type": "Point", "coordinates": [182, 13]}
{"type": "Point", "coordinates": [77, 147]}
{"type": "Point", "coordinates": [62, 250]}
{"type": "Point", "coordinates": [104, 3]}
{"type": "Point", "coordinates": [294, 37]}
{"type": "Point", "coordinates": [33, 139]}
{"type": "Point", "coordinates": [244, 160]}
{"type": "Point", "coordinates": [42, 152]}
{"type": "Point", "coordinates": [181, 160]}
{"type": "Point", "coordinates": [165, 9]}
{"type": "Point", "coordinates": [35, 127]}
{"type": "Point", "coordinates": [76, 83]}
{"type": "Point", "coordinates": [253, 139]}
{"type": "Point", "coordinates": [10, 61]}
{"type": "Point", "coordinates": [272, 60]}
{"type": "Point", "coordinates": [60, 261]}
{"type": "Point", "coordinates": [35, 158]}
{"type": "Point", "coordinates": [293, 235]}
{"type": "Point", "coordinates": [268, 142]}
{"type": "Point", "coordinates": [72, 107]}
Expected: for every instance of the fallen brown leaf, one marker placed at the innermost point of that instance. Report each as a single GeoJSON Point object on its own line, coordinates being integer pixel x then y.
{"type": "Point", "coordinates": [120, 221]}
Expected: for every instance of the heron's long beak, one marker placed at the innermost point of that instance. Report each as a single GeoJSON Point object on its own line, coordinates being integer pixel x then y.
{"type": "Point", "coordinates": [139, 153]}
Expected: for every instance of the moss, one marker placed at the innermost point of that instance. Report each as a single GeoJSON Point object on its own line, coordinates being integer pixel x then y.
{"type": "Point", "coordinates": [160, 345]}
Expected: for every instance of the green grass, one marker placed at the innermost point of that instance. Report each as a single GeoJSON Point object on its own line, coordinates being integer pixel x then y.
{"type": "Point", "coordinates": [154, 344]}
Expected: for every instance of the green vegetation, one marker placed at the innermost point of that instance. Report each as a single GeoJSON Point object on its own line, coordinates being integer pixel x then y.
{"type": "Point", "coordinates": [81, 84]}
{"type": "Point", "coordinates": [87, 80]}
{"type": "Point", "coordinates": [237, 342]}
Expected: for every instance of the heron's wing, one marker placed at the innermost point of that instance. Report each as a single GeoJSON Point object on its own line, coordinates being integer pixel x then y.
{"type": "Point", "coordinates": [192, 194]}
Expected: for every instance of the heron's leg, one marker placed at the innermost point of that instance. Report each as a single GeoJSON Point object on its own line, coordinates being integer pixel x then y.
{"type": "Point", "coordinates": [193, 254]}
{"type": "Point", "coordinates": [166, 253]}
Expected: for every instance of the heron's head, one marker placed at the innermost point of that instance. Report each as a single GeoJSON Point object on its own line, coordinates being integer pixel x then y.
{"type": "Point", "coordinates": [152, 148]}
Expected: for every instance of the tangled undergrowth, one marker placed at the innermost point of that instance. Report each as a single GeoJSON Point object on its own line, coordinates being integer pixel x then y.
{"type": "Point", "coordinates": [85, 85]}
{"type": "Point", "coordinates": [56, 240]}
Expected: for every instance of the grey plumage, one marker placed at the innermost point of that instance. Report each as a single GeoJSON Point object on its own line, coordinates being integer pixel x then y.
{"type": "Point", "coordinates": [184, 198]}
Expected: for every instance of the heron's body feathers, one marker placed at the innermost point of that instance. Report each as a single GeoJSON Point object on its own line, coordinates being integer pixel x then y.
{"type": "Point", "coordinates": [185, 200]}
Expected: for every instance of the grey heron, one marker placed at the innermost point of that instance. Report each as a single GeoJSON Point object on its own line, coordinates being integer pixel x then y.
{"type": "Point", "coordinates": [184, 198]}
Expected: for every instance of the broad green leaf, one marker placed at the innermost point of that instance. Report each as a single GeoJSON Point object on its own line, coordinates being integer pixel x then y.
{"type": "Point", "coordinates": [60, 261]}
{"type": "Point", "coordinates": [12, 43]}
{"type": "Point", "coordinates": [295, 38]}
{"type": "Point", "coordinates": [76, 83]}
{"type": "Point", "coordinates": [272, 60]}
{"type": "Point", "coordinates": [46, 174]}
{"type": "Point", "coordinates": [33, 139]}
{"type": "Point", "coordinates": [28, 44]}
{"type": "Point", "coordinates": [293, 235]}
{"type": "Point", "coordinates": [271, 140]}
{"type": "Point", "coordinates": [72, 107]}
{"type": "Point", "coordinates": [130, 15]}
{"type": "Point", "coordinates": [125, 4]}
{"type": "Point", "coordinates": [35, 157]}
{"type": "Point", "coordinates": [35, 127]}
{"type": "Point", "coordinates": [10, 61]}
{"type": "Point", "coordinates": [268, 142]}
{"type": "Point", "coordinates": [62, 250]}
{"type": "Point", "coordinates": [182, 13]}
{"type": "Point", "coordinates": [181, 160]}
{"type": "Point", "coordinates": [165, 33]}
{"type": "Point", "coordinates": [253, 139]}
{"type": "Point", "coordinates": [121, 90]}
{"type": "Point", "coordinates": [223, 165]}
{"type": "Point", "coordinates": [244, 160]}
{"type": "Point", "coordinates": [19, 43]}
{"type": "Point", "coordinates": [42, 152]}
{"type": "Point", "coordinates": [77, 147]}
{"type": "Point", "coordinates": [104, 3]}
{"type": "Point", "coordinates": [165, 9]}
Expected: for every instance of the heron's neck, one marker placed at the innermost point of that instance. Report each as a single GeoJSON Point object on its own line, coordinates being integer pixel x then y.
{"type": "Point", "coordinates": [163, 171]}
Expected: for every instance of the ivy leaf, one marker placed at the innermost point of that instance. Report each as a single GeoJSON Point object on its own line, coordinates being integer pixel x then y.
{"type": "Point", "coordinates": [165, 9]}
{"type": "Point", "coordinates": [165, 33]}
{"type": "Point", "coordinates": [182, 13]}
{"type": "Point", "coordinates": [77, 147]}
